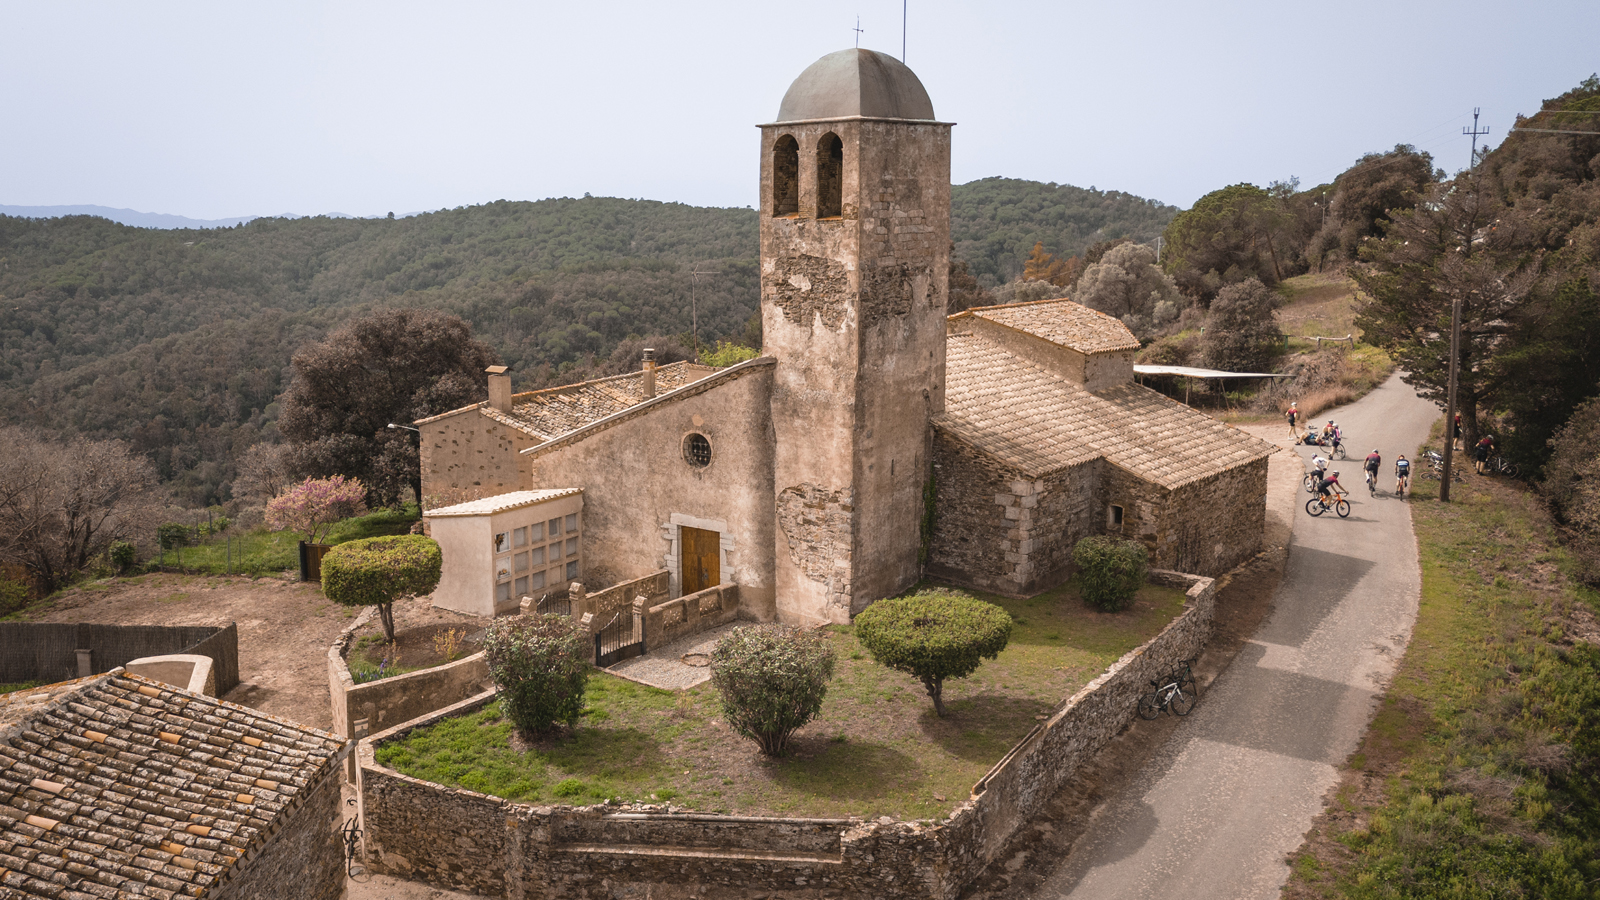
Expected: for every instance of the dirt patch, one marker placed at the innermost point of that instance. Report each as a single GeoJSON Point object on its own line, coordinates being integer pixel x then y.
{"type": "Point", "coordinates": [419, 647]}
{"type": "Point", "coordinates": [285, 629]}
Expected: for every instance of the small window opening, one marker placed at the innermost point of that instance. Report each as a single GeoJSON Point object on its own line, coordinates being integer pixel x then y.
{"type": "Point", "coordinates": [1114, 516]}
{"type": "Point", "coordinates": [697, 451]}
{"type": "Point", "coordinates": [786, 177]}
{"type": "Point", "coordinates": [830, 176]}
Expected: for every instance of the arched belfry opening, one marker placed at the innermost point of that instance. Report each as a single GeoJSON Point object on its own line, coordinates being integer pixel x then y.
{"type": "Point", "coordinates": [830, 176]}
{"type": "Point", "coordinates": [786, 176]}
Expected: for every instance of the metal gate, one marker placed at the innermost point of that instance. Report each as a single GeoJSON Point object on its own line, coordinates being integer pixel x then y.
{"type": "Point", "coordinates": [614, 643]}
{"type": "Point", "coordinates": [560, 606]}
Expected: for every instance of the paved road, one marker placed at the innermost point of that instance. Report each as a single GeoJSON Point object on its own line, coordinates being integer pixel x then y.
{"type": "Point", "coordinates": [1217, 809]}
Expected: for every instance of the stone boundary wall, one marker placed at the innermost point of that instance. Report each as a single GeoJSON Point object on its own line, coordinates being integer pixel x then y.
{"type": "Point", "coordinates": [398, 698]}
{"type": "Point", "coordinates": [463, 840]}
{"type": "Point", "coordinates": [691, 614]}
{"type": "Point", "coordinates": [38, 651]}
{"type": "Point", "coordinates": [654, 588]}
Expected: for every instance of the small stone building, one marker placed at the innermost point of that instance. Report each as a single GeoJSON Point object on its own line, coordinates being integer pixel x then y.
{"type": "Point", "coordinates": [122, 787]}
{"type": "Point", "coordinates": [803, 475]}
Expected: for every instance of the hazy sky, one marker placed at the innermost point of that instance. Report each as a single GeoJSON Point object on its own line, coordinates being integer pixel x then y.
{"type": "Point", "coordinates": [220, 109]}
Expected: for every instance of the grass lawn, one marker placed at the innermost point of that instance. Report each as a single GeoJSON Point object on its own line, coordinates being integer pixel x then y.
{"type": "Point", "coordinates": [263, 552]}
{"type": "Point", "coordinates": [1480, 776]}
{"type": "Point", "coordinates": [876, 749]}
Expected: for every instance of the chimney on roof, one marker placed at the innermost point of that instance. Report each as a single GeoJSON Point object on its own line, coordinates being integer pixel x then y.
{"type": "Point", "coordinates": [499, 388]}
{"type": "Point", "coordinates": [649, 372]}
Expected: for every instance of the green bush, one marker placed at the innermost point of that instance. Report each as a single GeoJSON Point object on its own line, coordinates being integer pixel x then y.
{"type": "Point", "coordinates": [1110, 571]}
{"type": "Point", "coordinates": [772, 679]}
{"type": "Point", "coordinates": [172, 534]}
{"type": "Point", "coordinates": [934, 636]}
{"type": "Point", "coordinates": [378, 571]}
{"type": "Point", "coordinates": [540, 666]}
{"type": "Point", "coordinates": [123, 555]}
{"type": "Point", "coordinates": [13, 595]}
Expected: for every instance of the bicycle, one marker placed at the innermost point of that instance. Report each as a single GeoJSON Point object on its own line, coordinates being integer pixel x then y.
{"type": "Point", "coordinates": [1316, 507]}
{"type": "Point", "coordinates": [1372, 483]}
{"type": "Point", "coordinates": [1499, 465]}
{"type": "Point", "coordinates": [1169, 694]}
{"type": "Point", "coordinates": [1310, 482]}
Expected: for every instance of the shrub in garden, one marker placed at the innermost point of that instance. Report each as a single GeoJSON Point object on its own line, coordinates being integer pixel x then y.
{"type": "Point", "coordinates": [378, 571]}
{"type": "Point", "coordinates": [123, 555]}
{"type": "Point", "coordinates": [540, 666]}
{"type": "Point", "coordinates": [172, 534]}
{"type": "Point", "coordinates": [934, 636]}
{"type": "Point", "coordinates": [1110, 571]}
{"type": "Point", "coordinates": [315, 505]}
{"type": "Point", "coordinates": [772, 679]}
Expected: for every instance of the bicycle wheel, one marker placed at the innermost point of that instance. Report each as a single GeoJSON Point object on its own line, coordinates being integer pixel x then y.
{"type": "Point", "coordinates": [1149, 706]}
{"type": "Point", "coordinates": [1310, 481]}
{"type": "Point", "coordinates": [1188, 686]}
{"type": "Point", "coordinates": [1181, 702]}
{"type": "Point", "coordinates": [1511, 470]}
{"type": "Point", "coordinates": [1314, 507]}
{"type": "Point", "coordinates": [1338, 452]}
{"type": "Point", "coordinates": [1372, 485]}
{"type": "Point", "coordinates": [1342, 508]}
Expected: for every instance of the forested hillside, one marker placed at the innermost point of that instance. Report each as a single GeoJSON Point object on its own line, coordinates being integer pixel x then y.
{"type": "Point", "coordinates": [996, 221]}
{"type": "Point", "coordinates": [178, 341]}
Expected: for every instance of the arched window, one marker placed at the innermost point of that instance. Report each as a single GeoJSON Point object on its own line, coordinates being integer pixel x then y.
{"type": "Point", "coordinates": [786, 177]}
{"type": "Point", "coordinates": [830, 176]}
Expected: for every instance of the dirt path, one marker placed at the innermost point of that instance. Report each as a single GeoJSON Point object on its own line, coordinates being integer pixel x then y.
{"type": "Point", "coordinates": [285, 628]}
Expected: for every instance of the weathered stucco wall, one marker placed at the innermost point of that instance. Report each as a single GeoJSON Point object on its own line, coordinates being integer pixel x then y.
{"type": "Point", "coordinates": [503, 849]}
{"type": "Point", "coordinates": [636, 478]}
{"type": "Point", "coordinates": [466, 456]}
{"type": "Point", "coordinates": [483, 577]}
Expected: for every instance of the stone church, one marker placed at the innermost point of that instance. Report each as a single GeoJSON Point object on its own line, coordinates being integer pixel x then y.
{"type": "Point", "coordinates": [875, 439]}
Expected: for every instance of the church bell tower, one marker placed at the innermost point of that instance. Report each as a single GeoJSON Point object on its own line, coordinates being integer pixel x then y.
{"type": "Point", "coordinates": [855, 258]}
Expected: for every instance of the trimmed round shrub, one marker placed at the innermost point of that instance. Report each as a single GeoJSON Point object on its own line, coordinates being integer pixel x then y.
{"type": "Point", "coordinates": [540, 666]}
{"type": "Point", "coordinates": [772, 679]}
{"type": "Point", "coordinates": [1110, 571]}
{"type": "Point", "coordinates": [123, 555]}
{"type": "Point", "coordinates": [378, 571]}
{"type": "Point", "coordinates": [934, 636]}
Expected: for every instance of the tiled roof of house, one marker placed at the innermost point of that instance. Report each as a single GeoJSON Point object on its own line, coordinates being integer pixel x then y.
{"type": "Point", "coordinates": [1063, 322]}
{"type": "Point", "coordinates": [502, 502]}
{"type": "Point", "coordinates": [555, 411]}
{"type": "Point", "coordinates": [1039, 423]}
{"type": "Point", "coordinates": [128, 787]}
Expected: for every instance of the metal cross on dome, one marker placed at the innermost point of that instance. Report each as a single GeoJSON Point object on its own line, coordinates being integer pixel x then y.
{"type": "Point", "coordinates": [858, 29]}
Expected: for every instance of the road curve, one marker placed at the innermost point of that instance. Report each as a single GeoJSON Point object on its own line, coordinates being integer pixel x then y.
{"type": "Point", "coordinates": [1215, 812]}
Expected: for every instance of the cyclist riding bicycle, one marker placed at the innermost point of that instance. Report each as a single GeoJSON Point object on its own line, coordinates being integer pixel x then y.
{"type": "Point", "coordinates": [1325, 488]}
{"type": "Point", "coordinates": [1319, 465]}
{"type": "Point", "coordinates": [1402, 474]}
{"type": "Point", "coordinates": [1374, 461]}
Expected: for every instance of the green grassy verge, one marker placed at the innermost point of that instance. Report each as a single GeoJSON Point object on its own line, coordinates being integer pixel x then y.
{"type": "Point", "coordinates": [876, 749]}
{"type": "Point", "coordinates": [263, 552]}
{"type": "Point", "coordinates": [20, 686]}
{"type": "Point", "coordinates": [1480, 776]}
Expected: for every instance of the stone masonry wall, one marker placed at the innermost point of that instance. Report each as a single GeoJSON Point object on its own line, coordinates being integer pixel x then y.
{"type": "Point", "coordinates": [503, 849]}
{"type": "Point", "coordinates": [1218, 522]}
{"type": "Point", "coordinates": [303, 859]}
{"type": "Point", "coordinates": [468, 456]}
{"type": "Point", "coordinates": [999, 530]}
{"type": "Point", "coordinates": [691, 614]}
{"type": "Point", "coordinates": [816, 524]}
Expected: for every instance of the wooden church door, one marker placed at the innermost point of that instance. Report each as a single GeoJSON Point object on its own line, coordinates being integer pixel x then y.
{"type": "Point", "coordinates": [701, 566]}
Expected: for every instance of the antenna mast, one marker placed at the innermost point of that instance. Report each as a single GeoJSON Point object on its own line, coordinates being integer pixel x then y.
{"type": "Point", "coordinates": [903, 5]}
{"type": "Point", "coordinates": [858, 30]}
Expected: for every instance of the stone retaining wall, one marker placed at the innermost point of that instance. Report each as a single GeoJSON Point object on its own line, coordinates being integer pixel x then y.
{"type": "Point", "coordinates": [653, 588]}
{"type": "Point", "coordinates": [691, 614]}
{"type": "Point", "coordinates": [399, 698]}
{"type": "Point", "coordinates": [463, 840]}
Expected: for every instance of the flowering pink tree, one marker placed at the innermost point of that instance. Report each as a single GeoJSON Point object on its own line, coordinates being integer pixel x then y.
{"type": "Point", "coordinates": [314, 505]}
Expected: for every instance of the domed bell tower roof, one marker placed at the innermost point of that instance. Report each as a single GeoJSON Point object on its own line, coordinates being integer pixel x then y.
{"type": "Point", "coordinates": [856, 83]}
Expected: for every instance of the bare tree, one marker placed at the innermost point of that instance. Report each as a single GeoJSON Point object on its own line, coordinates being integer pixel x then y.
{"type": "Point", "coordinates": [61, 506]}
{"type": "Point", "coordinates": [263, 474]}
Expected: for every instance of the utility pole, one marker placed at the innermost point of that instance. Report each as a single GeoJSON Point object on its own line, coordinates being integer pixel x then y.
{"type": "Point", "coordinates": [904, 4]}
{"type": "Point", "coordinates": [694, 311]}
{"type": "Point", "coordinates": [1472, 166]}
{"type": "Point", "coordinates": [1450, 402]}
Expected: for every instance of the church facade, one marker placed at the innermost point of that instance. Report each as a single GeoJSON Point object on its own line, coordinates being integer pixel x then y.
{"type": "Point", "coordinates": [875, 440]}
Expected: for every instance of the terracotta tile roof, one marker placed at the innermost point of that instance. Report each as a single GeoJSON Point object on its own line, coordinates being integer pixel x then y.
{"type": "Point", "coordinates": [1063, 322]}
{"type": "Point", "coordinates": [555, 411]}
{"type": "Point", "coordinates": [128, 787]}
{"type": "Point", "coordinates": [1035, 421]}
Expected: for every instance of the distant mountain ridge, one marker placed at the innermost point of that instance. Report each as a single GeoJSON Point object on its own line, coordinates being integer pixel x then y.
{"type": "Point", "coordinates": [139, 219]}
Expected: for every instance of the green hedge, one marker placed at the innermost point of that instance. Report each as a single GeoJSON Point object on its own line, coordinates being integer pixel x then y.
{"type": "Point", "coordinates": [540, 666]}
{"type": "Point", "coordinates": [934, 636]}
{"type": "Point", "coordinates": [772, 680]}
{"type": "Point", "coordinates": [1110, 571]}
